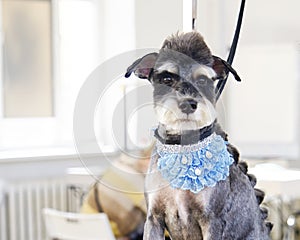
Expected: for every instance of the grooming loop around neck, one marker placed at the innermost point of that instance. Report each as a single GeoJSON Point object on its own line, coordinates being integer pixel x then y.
{"type": "Point", "coordinates": [196, 166]}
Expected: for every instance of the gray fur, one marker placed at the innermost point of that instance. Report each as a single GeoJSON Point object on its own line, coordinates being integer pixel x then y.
{"type": "Point", "coordinates": [228, 211]}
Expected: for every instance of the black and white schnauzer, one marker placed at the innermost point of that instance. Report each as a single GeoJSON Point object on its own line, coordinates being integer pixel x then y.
{"type": "Point", "coordinates": [196, 188]}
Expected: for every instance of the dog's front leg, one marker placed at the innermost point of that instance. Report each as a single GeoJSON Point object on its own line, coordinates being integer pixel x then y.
{"type": "Point", "coordinates": [154, 228]}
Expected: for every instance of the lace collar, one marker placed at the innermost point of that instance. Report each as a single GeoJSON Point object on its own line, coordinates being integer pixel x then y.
{"type": "Point", "coordinates": [194, 167]}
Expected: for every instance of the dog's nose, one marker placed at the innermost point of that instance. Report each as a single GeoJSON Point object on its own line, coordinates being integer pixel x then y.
{"type": "Point", "coordinates": [188, 106]}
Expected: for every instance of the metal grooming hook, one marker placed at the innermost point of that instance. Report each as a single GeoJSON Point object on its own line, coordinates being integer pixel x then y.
{"type": "Point", "coordinates": [194, 14]}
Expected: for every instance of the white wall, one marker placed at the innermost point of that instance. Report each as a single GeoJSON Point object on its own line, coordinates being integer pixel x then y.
{"type": "Point", "coordinates": [155, 20]}
{"type": "Point", "coordinates": [263, 110]}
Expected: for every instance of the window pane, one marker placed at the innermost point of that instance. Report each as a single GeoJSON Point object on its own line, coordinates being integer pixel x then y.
{"type": "Point", "coordinates": [27, 61]}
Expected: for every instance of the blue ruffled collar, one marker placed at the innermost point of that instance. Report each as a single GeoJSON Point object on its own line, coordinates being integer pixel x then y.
{"type": "Point", "coordinates": [194, 167]}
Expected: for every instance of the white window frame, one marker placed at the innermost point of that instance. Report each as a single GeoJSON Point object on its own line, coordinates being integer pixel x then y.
{"type": "Point", "coordinates": [16, 132]}
{"type": "Point", "coordinates": [48, 132]}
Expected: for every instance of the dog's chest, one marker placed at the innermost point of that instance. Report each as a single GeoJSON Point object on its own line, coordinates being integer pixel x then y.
{"type": "Point", "coordinates": [185, 213]}
{"type": "Point", "coordinates": [186, 205]}
{"type": "Point", "coordinates": [177, 202]}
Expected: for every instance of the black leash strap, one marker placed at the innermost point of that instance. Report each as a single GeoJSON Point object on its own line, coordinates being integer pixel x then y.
{"type": "Point", "coordinates": [221, 84]}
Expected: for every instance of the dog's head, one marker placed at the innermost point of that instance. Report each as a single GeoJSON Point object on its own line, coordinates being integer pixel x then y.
{"type": "Point", "coordinates": [183, 75]}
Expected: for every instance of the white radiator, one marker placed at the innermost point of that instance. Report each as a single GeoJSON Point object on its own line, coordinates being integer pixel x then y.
{"type": "Point", "coordinates": [22, 204]}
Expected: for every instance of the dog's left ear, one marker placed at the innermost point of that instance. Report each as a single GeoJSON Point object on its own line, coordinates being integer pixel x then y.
{"type": "Point", "coordinates": [222, 68]}
{"type": "Point", "coordinates": [143, 67]}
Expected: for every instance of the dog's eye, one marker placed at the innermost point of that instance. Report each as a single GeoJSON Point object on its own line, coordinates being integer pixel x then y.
{"type": "Point", "coordinates": [201, 81]}
{"type": "Point", "coordinates": [168, 80]}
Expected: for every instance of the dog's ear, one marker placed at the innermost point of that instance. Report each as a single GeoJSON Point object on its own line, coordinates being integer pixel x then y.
{"type": "Point", "coordinates": [222, 68]}
{"type": "Point", "coordinates": [143, 67]}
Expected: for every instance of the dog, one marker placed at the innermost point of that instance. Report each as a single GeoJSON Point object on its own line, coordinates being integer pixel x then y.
{"type": "Point", "coordinates": [196, 187]}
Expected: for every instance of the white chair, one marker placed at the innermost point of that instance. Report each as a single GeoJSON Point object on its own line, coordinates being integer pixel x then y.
{"type": "Point", "coordinates": [77, 226]}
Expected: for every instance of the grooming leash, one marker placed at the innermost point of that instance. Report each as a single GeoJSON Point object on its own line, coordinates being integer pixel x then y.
{"type": "Point", "coordinates": [222, 82]}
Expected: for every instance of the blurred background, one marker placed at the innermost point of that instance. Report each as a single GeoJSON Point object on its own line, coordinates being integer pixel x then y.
{"type": "Point", "coordinates": [49, 48]}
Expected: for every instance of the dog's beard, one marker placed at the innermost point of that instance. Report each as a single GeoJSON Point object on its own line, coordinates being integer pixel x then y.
{"type": "Point", "coordinates": [175, 121]}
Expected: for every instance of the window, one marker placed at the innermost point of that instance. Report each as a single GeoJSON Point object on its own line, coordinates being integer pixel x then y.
{"type": "Point", "coordinates": [27, 59]}
{"type": "Point", "coordinates": [49, 49]}
{"type": "Point", "coordinates": [27, 116]}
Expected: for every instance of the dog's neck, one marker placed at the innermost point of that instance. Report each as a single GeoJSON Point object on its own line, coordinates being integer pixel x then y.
{"type": "Point", "coordinates": [185, 137]}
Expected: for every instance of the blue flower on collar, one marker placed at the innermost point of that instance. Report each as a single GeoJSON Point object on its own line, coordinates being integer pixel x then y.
{"type": "Point", "coordinates": [194, 167]}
